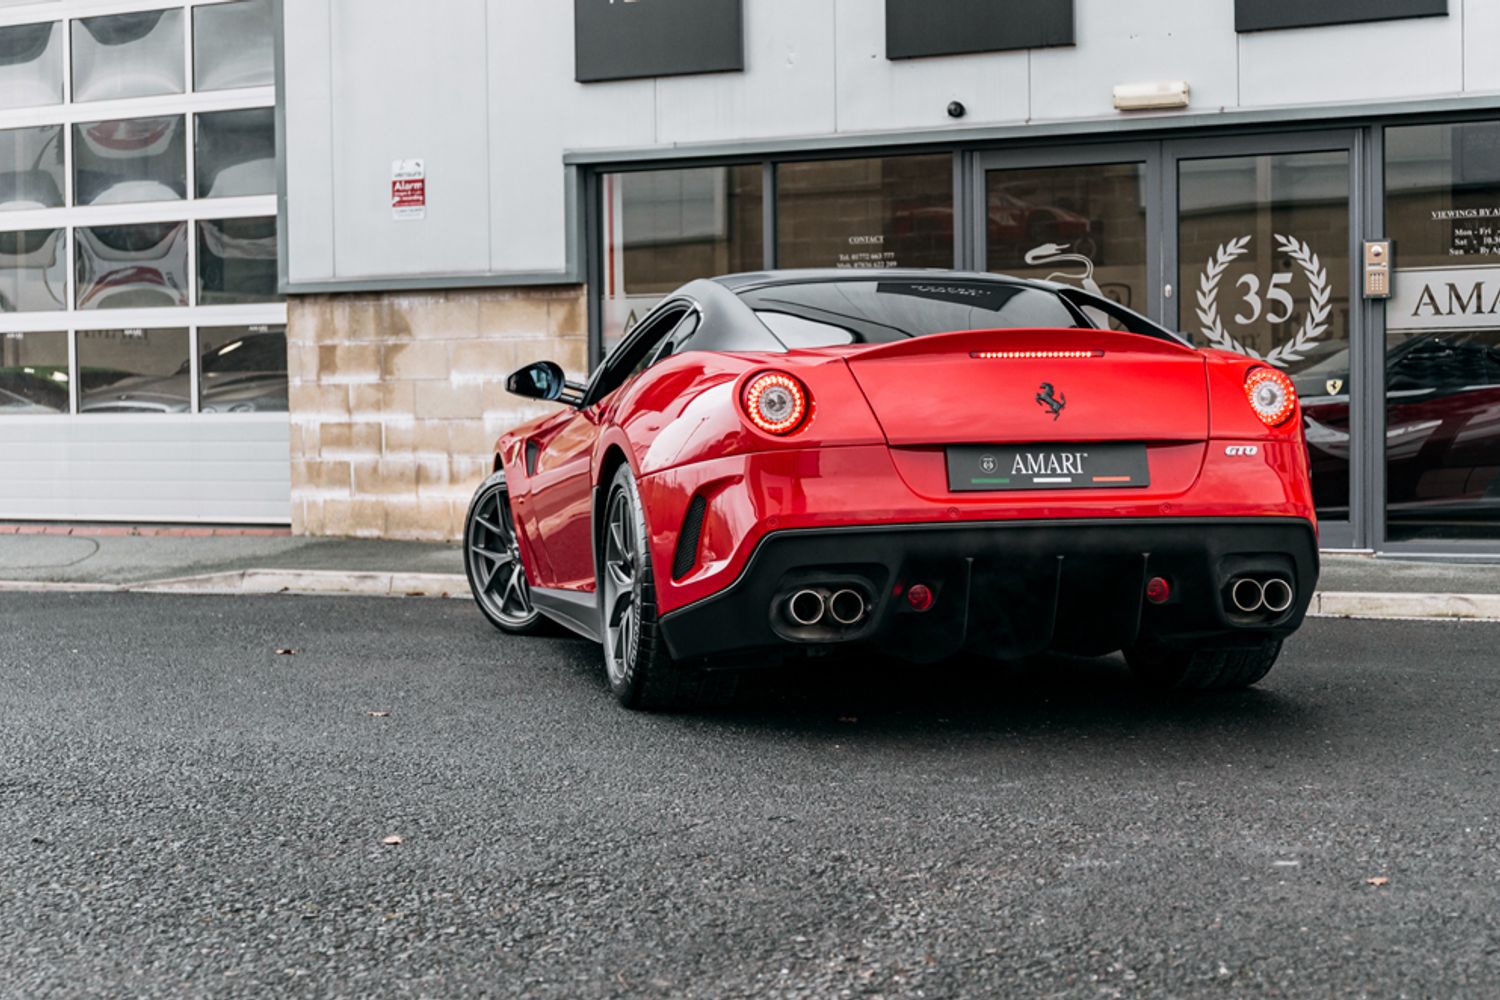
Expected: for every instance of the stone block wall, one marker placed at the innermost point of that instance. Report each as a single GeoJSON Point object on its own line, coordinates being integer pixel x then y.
{"type": "Point", "coordinates": [397, 399]}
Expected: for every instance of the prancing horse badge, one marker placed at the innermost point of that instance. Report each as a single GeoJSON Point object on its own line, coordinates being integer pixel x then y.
{"type": "Point", "coordinates": [1053, 401]}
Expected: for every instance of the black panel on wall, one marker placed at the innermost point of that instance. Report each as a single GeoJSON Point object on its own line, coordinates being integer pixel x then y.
{"type": "Point", "coordinates": [916, 28]}
{"type": "Point", "coordinates": [627, 39]}
{"type": "Point", "coordinates": [1258, 15]}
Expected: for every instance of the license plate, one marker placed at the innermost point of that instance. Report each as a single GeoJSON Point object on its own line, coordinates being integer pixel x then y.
{"type": "Point", "coordinates": [975, 467]}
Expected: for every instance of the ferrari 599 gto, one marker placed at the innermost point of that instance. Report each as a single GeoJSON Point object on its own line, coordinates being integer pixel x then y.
{"type": "Point", "coordinates": [920, 463]}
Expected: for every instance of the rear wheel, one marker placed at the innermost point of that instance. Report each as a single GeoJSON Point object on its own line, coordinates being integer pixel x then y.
{"type": "Point", "coordinates": [1184, 668]}
{"type": "Point", "coordinates": [492, 559]}
{"type": "Point", "coordinates": [641, 671]}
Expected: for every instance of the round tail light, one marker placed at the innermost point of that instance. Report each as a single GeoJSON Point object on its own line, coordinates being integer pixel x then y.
{"type": "Point", "coordinates": [1271, 394]}
{"type": "Point", "coordinates": [920, 597]}
{"type": "Point", "coordinates": [776, 403]}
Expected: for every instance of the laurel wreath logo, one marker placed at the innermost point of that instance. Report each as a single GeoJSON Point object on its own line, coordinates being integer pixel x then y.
{"type": "Point", "coordinates": [1319, 307]}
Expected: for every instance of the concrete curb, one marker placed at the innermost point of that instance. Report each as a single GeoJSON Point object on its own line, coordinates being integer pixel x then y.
{"type": "Point", "coordinates": [272, 581]}
{"type": "Point", "coordinates": [1325, 604]}
{"type": "Point", "coordinates": [1356, 604]}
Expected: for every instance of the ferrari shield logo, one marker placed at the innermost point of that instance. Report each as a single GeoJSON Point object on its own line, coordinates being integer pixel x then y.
{"type": "Point", "coordinates": [1333, 386]}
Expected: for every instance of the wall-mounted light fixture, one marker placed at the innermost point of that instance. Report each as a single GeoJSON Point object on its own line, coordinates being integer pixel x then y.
{"type": "Point", "coordinates": [1152, 96]}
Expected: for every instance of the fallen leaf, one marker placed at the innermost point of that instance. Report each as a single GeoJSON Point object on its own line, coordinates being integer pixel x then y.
{"type": "Point", "coordinates": [377, 715]}
{"type": "Point", "coordinates": [392, 841]}
{"type": "Point", "coordinates": [286, 652]}
{"type": "Point", "coordinates": [1378, 880]}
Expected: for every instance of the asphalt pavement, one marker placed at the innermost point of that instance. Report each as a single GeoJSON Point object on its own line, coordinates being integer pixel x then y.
{"type": "Point", "coordinates": [184, 812]}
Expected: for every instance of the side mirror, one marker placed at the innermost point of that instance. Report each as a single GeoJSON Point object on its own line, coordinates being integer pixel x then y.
{"type": "Point", "coordinates": [539, 380]}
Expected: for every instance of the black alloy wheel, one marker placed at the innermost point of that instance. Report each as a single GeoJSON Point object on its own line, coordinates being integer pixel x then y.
{"type": "Point", "coordinates": [492, 557]}
{"type": "Point", "coordinates": [641, 671]}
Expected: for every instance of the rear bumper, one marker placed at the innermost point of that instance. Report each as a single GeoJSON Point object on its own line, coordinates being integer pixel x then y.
{"type": "Point", "coordinates": [1009, 589]}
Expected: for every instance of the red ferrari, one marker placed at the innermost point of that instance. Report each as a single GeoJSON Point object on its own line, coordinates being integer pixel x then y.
{"type": "Point", "coordinates": [915, 462]}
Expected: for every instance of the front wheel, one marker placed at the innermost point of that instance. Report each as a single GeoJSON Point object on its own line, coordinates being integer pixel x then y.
{"type": "Point", "coordinates": [641, 671]}
{"type": "Point", "coordinates": [1184, 668]}
{"type": "Point", "coordinates": [492, 559]}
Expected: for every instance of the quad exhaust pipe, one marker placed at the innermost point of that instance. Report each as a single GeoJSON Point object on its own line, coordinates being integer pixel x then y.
{"type": "Point", "coordinates": [845, 607]}
{"type": "Point", "coordinates": [1250, 595]}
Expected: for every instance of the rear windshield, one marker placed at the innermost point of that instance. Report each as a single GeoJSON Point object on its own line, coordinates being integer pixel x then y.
{"type": "Point", "coordinates": [825, 313]}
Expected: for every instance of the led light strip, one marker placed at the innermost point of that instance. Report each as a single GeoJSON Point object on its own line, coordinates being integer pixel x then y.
{"type": "Point", "coordinates": [1032, 355]}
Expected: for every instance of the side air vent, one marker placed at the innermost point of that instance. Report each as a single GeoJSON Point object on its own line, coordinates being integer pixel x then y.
{"type": "Point", "coordinates": [533, 452]}
{"type": "Point", "coordinates": [687, 541]}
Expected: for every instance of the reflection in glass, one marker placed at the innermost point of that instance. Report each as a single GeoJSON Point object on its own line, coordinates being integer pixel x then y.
{"type": "Point", "coordinates": [31, 65]}
{"type": "Point", "coordinates": [237, 261]}
{"type": "Point", "coordinates": [664, 228]}
{"type": "Point", "coordinates": [242, 369]}
{"type": "Point", "coordinates": [232, 45]}
{"type": "Point", "coordinates": [33, 373]}
{"type": "Point", "coordinates": [236, 153]}
{"type": "Point", "coordinates": [1263, 245]}
{"type": "Point", "coordinates": [127, 55]}
{"type": "Point", "coordinates": [894, 211]}
{"type": "Point", "coordinates": [135, 159]}
{"type": "Point", "coordinates": [1081, 225]}
{"type": "Point", "coordinates": [133, 371]}
{"type": "Point", "coordinates": [33, 271]}
{"type": "Point", "coordinates": [31, 167]}
{"type": "Point", "coordinates": [132, 267]}
{"type": "Point", "coordinates": [1442, 362]}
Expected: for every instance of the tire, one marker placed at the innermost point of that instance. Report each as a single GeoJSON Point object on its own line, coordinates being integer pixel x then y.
{"type": "Point", "coordinates": [1180, 668]}
{"type": "Point", "coordinates": [641, 672]}
{"type": "Point", "coordinates": [492, 561]}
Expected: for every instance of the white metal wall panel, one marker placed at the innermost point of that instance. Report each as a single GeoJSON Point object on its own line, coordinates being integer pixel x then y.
{"type": "Point", "coordinates": [1481, 33]}
{"type": "Point", "coordinates": [1132, 43]}
{"type": "Point", "coordinates": [493, 97]}
{"type": "Point", "coordinates": [537, 109]}
{"type": "Point", "coordinates": [151, 468]}
{"type": "Point", "coordinates": [410, 82]}
{"type": "Point", "coordinates": [309, 141]}
{"type": "Point", "coordinates": [877, 93]}
{"type": "Point", "coordinates": [1354, 62]}
{"type": "Point", "coordinates": [787, 88]}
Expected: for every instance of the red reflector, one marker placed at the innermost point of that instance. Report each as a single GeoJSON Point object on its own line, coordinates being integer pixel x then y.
{"type": "Point", "coordinates": [1032, 355]}
{"type": "Point", "coordinates": [1158, 590]}
{"type": "Point", "coordinates": [919, 597]}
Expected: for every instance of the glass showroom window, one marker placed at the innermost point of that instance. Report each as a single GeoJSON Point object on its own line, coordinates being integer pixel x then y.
{"type": "Point", "coordinates": [1442, 360]}
{"type": "Point", "coordinates": [31, 168]}
{"type": "Point", "coordinates": [128, 55]}
{"type": "Point", "coordinates": [33, 373]}
{"type": "Point", "coordinates": [132, 267]}
{"type": "Point", "coordinates": [236, 153]}
{"type": "Point", "coordinates": [662, 228]}
{"type": "Point", "coordinates": [894, 211]}
{"type": "Point", "coordinates": [136, 159]}
{"type": "Point", "coordinates": [33, 271]}
{"type": "Point", "coordinates": [242, 369]}
{"type": "Point", "coordinates": [232, 45]}
{"type": "Point", "coordinates": [31, 65]}
{"type": "Point", "coordinates": [133, 371]}
{"type": "Point", "coordinates": [237, 261]}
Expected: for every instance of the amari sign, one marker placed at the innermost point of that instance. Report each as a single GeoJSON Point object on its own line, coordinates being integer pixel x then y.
{"type": "Point", "coordinates": [628, 39]}
{"type": "Point", "coordinates": [1451, 298]}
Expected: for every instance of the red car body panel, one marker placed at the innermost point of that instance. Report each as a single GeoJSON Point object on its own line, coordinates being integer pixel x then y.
{"type": "Point", "coordinates": [872, 450]}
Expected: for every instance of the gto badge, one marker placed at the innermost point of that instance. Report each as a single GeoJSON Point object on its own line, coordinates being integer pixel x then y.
{"type": "Point", "coordinates": [1242, 450]}
{"type": "Point", "coordinates": [1052, 402]}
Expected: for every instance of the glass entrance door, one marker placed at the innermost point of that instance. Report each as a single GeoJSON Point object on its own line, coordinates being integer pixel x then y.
{"type": "Point", "coordinates": [1263, 261]}
{"type": "Point", "coordinates": [1085, 222]}
{"type": "Point", "coordinates": [1244, 244]}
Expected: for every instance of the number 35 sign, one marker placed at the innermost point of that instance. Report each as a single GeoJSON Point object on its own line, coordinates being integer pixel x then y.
{"type": "Point", "coordinates": [1269, 301]}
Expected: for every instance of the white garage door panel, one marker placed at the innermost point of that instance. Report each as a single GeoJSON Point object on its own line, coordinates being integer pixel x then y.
{"type": "Point", "coordinates": [221, 470]}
